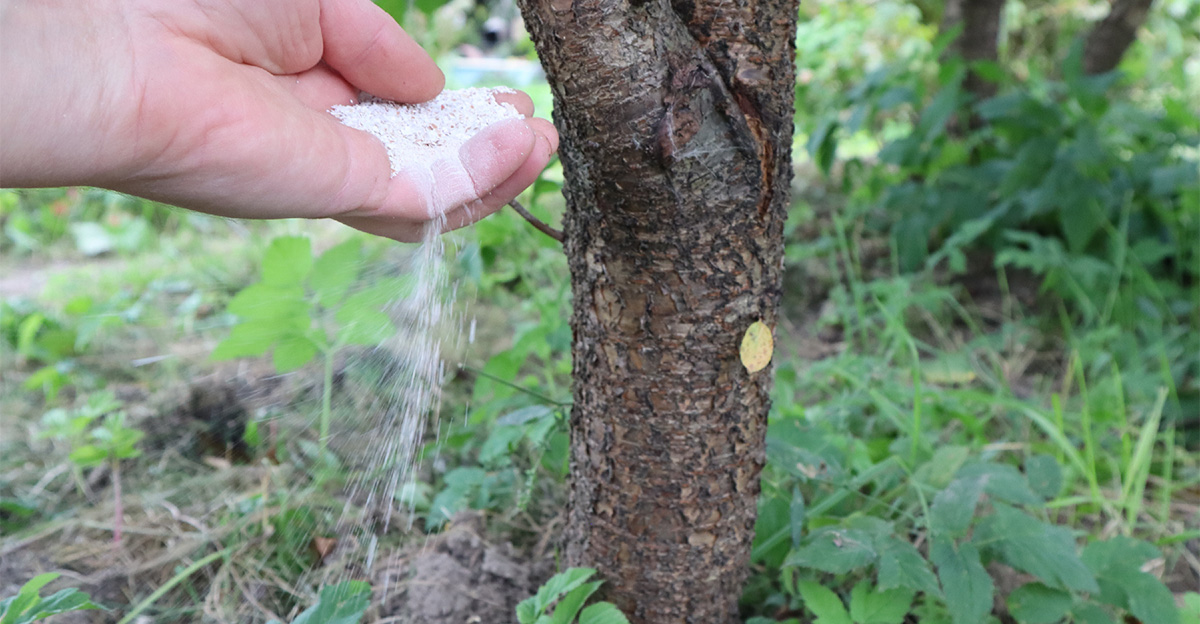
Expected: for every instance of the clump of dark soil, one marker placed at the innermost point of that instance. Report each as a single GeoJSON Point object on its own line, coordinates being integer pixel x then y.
{"type": "Point", "coordinates": [462, 579]}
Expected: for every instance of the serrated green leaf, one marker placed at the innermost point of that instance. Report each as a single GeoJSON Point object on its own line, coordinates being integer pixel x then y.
{"type": "Point", "coordinates": [267, 302]}
{"type": "Point", "coordinates": [1191, 608]}
{"type": "Point", "coordinates": [250, 435]}
{"type": "Point", "coordinates": [1045, 475]}
{"type": "Point", "coordinates": [64, 601]}
{"type": "Point", "coordinates": [834, 550]}
{"type": "Point", "coordinates": [602, 613]}
{"type": "Point", "coordinates": [545, 185]}
{"type": "Point", "coordinates": [27, 332]}
{"type": "Point", "coordinates": [88, 455]}
{"type": "Point", "coordinates": [381, 293]}
{"type": "Point", "coordinates": [569, 605]}
{"type": "Point", "coordinates": [1116, 556]}
{"type": "Point", "coordinates": [822, 143]}
{"type": "Point", "coordinates": [1080, 220]}
{"type": "Point", "coordinates": [965, 583]}
{"type": "Point", "coordinates": [901, 565]}
{"type": "Point", "coordinates": [823, 603]}
{"type": "Point", "coordinates": [524, 415]}
{"type": "Point", "coordinates": [28, 605]}
{"type": "Point", "coordinates": [771, 544]}
{"type": "Point", "coordinates": [939, 471]}
{"type": "Point", "coordinates": [335, 271]}
{"type": "Point", "coordinates": [429, 7]}
{"type": "Point", "coordinates": [1043, 550]}
{"type": "Point", "coordinates": [1035, 603]}
{"type": "Point", "coordinates": [1117, 564]}
{"type": "Point", "coordinates": [499, 444]}
{"type": "Point", "coordinates": [287, 261]}
{"type": "Point", "coordinates": [343, 603]}
{"type": "Point", "coordinates": [26, 597]}
{"type": "Point", "coordinates": [363, 326]}
{"type": "Point", "coordinates": [1150, 601]}
{"type": "Point", "coordinates": [254, 338]}
{"type": "Point", "coordinates": [1091, 613]}
{"type": "Point", "coordinates": [1002, 482]}
{"type": "Point", "coordinates": [954, 507]}
{"type": "Point", "coordinates": [293, 352]}
{"type": "Point", "coordinates": [558, 585]}
{"type": "Point", "coordinates": [796, 514]}
{"type": "Point", "coordinates": [527, 610]}
{"type": "Point", "coordinates": [870, 606]}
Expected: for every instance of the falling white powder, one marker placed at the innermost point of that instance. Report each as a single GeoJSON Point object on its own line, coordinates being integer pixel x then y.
{"type": "Point", "coordinates": [423, 133]}
{"type": "Point", "coordinates": [417, 137]}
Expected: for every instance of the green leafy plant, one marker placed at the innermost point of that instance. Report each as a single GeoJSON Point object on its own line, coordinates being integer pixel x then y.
{"type": "Point", "coordinates": [513, 445]}
{"type": "Point", "coordinates": [867, 605]}
{"type": "Point", "coordinates": [92, 444]}
{"type": "Point", "coordinates": [343, 603]}
{"type": "Point", "coordinates": [97, 221]}
{"type": "Point", "coordinates": [523, 444]}
{"type": "Point", "coordinates": [302, 308]}
{"type": "Point", "coordinates": [54, 341]}
{"type": "Point", "coordinates": [567, 592]}
{"type": "Point", "coordinates": [979, 512]}
{"type": "Point", "coordinates": [29, 605]}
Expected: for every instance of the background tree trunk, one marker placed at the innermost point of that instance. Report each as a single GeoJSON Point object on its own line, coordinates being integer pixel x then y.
{"type": "Point", "coordinates": [979, 39]}
{"type": "Point", "coordinates": [1113, 35]}
{"type": "Point", "coordinates": [676, 123]}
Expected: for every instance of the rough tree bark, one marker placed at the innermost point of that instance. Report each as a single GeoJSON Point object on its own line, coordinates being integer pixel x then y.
{"type": "Point", "coordinates": [676, 123]}
{"type": "Point", "coordinates": [1112, 36]}
{"type": "Point", "coordinates": [979, 39]}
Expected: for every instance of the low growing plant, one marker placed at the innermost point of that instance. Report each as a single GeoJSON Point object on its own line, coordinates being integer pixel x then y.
{"type": "Point", "coordinates": [567, 592]}
{"type": "Point", "coordinates": [303, 308]}
{"type": "Point", "coordinates": [109, 442]}
{"type": "Point", "coordinates": [895, 540]}
{"type": "Point", "coordinates": [29, 605]}
{"type": "Point", "coordinates": [343, 603]}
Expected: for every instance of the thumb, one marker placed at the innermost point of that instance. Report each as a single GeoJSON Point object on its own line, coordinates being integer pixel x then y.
{"type": "Point", "coordinates": [432, 183]}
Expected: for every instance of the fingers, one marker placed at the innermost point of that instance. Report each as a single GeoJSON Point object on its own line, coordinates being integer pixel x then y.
{"type": "Point", "coordinates": [319, 88]}
{"type": "Point", "coordinates": [518, 99]}
{"type": "Point", "coordinates": [492, 169]}
{"type": "Point", "coordinates": [432, 184]}
{"type": "Point", "coordinates": [525, 175]}
{"type": "Point", "coordinates": [366, 46]}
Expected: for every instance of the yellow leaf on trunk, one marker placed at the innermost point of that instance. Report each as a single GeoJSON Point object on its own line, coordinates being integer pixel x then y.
{"type": "Point", "coordinates": [757, 347]}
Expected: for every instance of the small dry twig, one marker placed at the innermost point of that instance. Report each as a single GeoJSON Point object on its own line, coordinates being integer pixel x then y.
{"type": "Point", "coordinates": [536, 222]}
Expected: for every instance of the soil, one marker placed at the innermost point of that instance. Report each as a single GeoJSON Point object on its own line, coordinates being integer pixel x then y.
{"type": "Point", "coordinates": [460, 578]}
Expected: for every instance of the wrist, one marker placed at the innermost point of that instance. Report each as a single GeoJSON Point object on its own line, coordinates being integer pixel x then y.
{"type": "Point", "coordinates": [58, 61]}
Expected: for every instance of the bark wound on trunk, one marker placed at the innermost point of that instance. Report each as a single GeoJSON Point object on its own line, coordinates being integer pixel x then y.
{"type": "Point", "coordinates": [676, 123]}
{"type": "Point", "coordinates": [1109, 39]}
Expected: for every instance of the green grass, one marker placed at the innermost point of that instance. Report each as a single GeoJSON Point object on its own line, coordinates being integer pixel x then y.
{"type": "Point", "coordinates": [1010, 383]}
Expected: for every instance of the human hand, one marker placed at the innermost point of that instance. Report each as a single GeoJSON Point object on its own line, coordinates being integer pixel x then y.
{"type": "Point", "coordinates": [221, 107]}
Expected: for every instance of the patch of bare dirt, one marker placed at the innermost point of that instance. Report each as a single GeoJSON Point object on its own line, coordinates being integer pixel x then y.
{"type": "Point", "coordinates": [461, 578]}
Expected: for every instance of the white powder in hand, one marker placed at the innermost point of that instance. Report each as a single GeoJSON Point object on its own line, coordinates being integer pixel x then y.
{"type": "Point", "coordinates": [418, 134]}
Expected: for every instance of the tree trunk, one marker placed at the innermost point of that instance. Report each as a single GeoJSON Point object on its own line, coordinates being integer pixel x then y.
{"type": "Point", "coordinates": [676, 124]}
{"type": "Point", "coordinates": [1109, 39]}
{"type": "Point", "coordinates": [979, 39]}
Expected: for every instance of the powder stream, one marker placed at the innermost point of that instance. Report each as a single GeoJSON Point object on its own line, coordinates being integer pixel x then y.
{"type": "Point", "coordinates": [417, 138]}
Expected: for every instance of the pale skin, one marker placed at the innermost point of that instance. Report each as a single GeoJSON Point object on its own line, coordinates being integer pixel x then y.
{"type": "Point", "coordinates": [221, 106]}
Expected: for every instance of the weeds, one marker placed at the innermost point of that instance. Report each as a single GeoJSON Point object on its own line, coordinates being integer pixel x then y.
{"type": "Point", "coordinates": [568, 591]}
{"type": "Point", "coordinates": [302, 308]}
{"type": "Point", "coordinates": [986, 378]}
{"type": "Point", "coordinates": [29, 606]}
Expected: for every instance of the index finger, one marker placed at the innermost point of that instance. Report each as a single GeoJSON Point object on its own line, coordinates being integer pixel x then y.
{"type": "Point", "coordinates": [370, 50]}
